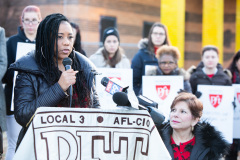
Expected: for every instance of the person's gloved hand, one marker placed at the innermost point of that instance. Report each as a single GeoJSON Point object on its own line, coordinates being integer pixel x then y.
{"type": "Point", "coordinates": [198, 94]}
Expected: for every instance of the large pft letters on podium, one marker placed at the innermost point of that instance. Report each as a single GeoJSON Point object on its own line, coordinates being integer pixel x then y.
{"type": "Point", "coordinates": [91, 134]}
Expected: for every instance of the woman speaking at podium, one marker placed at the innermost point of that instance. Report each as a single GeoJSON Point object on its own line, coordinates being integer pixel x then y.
{"type": "Point", "coordinates": [42, 79]}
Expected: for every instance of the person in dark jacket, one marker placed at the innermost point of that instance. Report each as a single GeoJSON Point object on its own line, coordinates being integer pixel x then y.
{"type": "Point", "coordinates": [77, 39]}
{"type": "Point", "coordinates": [42, 79]}
{"type": "Point", "coordinates": [29, 20]}
{"type": "Point", "coordinates": [168, 57]}
{"type": "Point", "coordinates": [209, 71]}
{"type": "Point", "coordinates": [146, 54]}
{"type": "Point", "coordinates": [234, 67]}
{"type": "Point", "coordinates": [187, 138]}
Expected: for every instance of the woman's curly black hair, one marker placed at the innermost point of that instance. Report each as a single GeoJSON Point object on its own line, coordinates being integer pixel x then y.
{"type": "Point", "coordinates": [47, 36]}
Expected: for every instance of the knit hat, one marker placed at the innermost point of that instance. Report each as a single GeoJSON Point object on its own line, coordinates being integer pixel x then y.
{"type": "Point", "coordinates": [110, 31]}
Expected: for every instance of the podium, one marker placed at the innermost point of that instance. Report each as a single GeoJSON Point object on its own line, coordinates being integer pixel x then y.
{"type": "Point", "coordinates": [91, 134]}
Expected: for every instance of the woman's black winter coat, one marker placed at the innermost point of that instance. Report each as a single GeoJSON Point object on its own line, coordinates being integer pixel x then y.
{"type": "Point", "coordinates": [209, 144]}
{"type": "Point", "coordinates": [199, 77]}
{"type": "Point", "coordinates": [33, 91]}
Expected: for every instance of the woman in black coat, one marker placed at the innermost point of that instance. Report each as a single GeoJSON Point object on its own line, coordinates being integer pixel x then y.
{"type": "Point", "coordinates": [42, 79]}
{"type": "Point", "coordinates": [188, 139]}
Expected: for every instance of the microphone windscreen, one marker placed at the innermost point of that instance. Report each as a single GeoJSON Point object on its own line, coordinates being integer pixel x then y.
{"type": "Point", "coordinates": [67, 61]}
{"type": "Point", "coordinates": [104, 81]}
{"type": "Point", "coordinates": [121, 99]}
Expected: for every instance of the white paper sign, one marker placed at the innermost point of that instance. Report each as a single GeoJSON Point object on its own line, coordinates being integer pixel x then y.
{"type": "Point", "coordinates": [22, 50]}
{"type": "Point", "coordinates": [218, 108]}
{"type": "Point", "coordinates": [105, 98]}
{"type": "Point", "coordinates": [163, 90]}
{"type": "Point", "coordinates": [236, 117]}
{"type": "Point", "coordinates": [88, 134]}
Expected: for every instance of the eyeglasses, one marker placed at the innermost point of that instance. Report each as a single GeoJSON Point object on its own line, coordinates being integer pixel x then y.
{"type": "Point", "coordinates": [34, 22]}
{"type": "Point", "coordinates": [170, 63]}
{"type": "Point", "coordinates": [158, 34]}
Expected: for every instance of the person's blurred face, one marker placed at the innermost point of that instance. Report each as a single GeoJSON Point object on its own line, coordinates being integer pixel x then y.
{"type": "Point", "coordinates": [181, 117]}
{"type": "Point", "coordinates": [238, 64]}
{"type": "Point", "coordinates": [74, 34]}
{"type": "Point", "coordinates": [158, 36]}
{"type": "Point", "coordinates": [210, 59]}
{"type": "Point", "coordinates": [30, 22]}
{"type": "Point", "coordinates": [111, 44]}
{"type": "Point", "coordinates": [167, 64]}
{"type": "Point", "coordinates": [65, 40]}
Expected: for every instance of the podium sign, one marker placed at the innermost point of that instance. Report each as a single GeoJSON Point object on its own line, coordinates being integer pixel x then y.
{"type": "Point", "coordinates": [236, 117]}
{"type": "Point", "coordinates": [218, 108]}
{"type": "Point", "coordinates": [90, 134]}
{"type": "Point", "coordinates": [105, 98]}
{"type": "Point", "coordinates": [163, 90]}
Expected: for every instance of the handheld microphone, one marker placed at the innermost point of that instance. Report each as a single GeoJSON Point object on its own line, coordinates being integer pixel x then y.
{"type": "Point", "coordinates": [67, 62]}
{"type": "Point", "coordinates": [121, 99]}
{"type": "Point", "coordinates": [113, 85]}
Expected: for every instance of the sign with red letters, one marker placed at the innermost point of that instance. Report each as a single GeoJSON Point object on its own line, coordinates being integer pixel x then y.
{"type": "Point", "coordinates": [162, 89]}
{"type": "Point", "coordinates": [236, 110]}
{"type": "Point", "coordinates": [215, 99]}
{"type": "Point", "coordinates": [218, 108]}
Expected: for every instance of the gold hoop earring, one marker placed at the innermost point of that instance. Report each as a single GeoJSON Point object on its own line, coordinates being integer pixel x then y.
{"type": "Point", "coordinates": [42, 53]}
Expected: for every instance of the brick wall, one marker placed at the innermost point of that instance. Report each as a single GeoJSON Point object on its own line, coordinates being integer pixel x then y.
{"type": "Point", "coordinates": [130, 16]}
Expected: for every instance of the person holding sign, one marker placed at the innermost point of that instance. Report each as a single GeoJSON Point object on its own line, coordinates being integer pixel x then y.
{"type": "Point", "coordinates": [187, 138]}
{"type": "Point", "coordinates": [29, 20]}
{"type": "Point", "coordinates": [168, 57]}
{"type": "Point", "coordinates": [42, 79]}
{"type": "Point", "coordinates": [146, 55]}
{"type": "Point", "coordinates": [111, 55]}
{"type": "Point", "coordinates": [209, 71]}
{"type": "Point", "coordinates": [235, 70]}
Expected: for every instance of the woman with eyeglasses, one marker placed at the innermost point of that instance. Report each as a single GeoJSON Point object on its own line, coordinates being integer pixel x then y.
{"type": "Point", "coordinates": [29, 20]}
{"type": "Point", "coordinates": [168, 57]}
{"type": "Point", "coordinates": [146, 56]}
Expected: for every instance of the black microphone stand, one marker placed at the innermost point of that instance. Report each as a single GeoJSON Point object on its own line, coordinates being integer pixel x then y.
{"type": "Point", "coordinates": [70, 90]}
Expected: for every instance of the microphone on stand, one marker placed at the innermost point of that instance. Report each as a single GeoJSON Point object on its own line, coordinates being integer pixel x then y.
{"type": "Point", "coordinates": [113, 85]}
{"type": "Point", "coordinates": [122, 100]}
{"type": "Point", "coordinates": [67, 62]}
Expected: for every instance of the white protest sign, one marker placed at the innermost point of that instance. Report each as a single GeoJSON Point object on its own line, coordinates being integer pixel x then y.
{"type": "Point", "coordinates": [88, 134]}
{"type": "Point", "coordinates": [22, 50]}
{"type": "Point", "coordinates": [218, 108]}
{"type": "Point", "coordinates": [162, 89]}
{"type": "Point", "coordinates": [123, 75]}
{"type": "Point", "coordinates": [236, 117]}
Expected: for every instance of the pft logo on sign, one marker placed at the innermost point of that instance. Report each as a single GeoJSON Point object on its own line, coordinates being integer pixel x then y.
{"type": "Point", "coordinates": [113, 88]}
{"type": "Point", "coordinates": [215, 99]}
{"type": "Point", "coordinates": [163, 91]}
{"type": "Point", "coordinates": [238, 97]}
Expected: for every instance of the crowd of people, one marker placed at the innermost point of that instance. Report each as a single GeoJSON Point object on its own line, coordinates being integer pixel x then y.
{"type": "Point", "coordinates": [41, 74]}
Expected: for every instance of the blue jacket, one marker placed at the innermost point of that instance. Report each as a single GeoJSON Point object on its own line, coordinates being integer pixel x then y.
{"type": "Point", "coordinates": [142, 58]}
